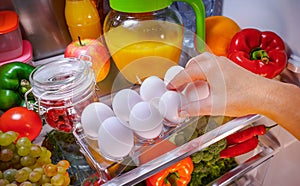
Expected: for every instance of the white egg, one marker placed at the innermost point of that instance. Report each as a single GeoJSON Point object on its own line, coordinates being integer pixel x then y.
{"type": "Point", "coordinates": [123, 102]}
{"type": "Point", "coordinates": [169, 106]}
{"type": "Point", "coordinates": [92, 116]}
{"type": "Point", "coordinates": [154, 133]}
{"type": "Point", "coordinates": [115, 140]}
{"type": "Point", "coordinates": [171, 73]}
{"type": "Point", "coordinates": [197, 90]}
{"type": "Point", "coordinates": [152, 89]}
{"type": "Point", "coordinates": [145, 118]}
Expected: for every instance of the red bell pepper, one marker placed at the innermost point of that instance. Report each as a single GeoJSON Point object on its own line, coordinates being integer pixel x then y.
{"type": "Point", "coordinates": [262, 53]}
{"type": "Point", "coordinates": [178, 174]}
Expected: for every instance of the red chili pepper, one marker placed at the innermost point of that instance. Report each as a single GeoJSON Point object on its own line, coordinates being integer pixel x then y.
{"type": "Point", "coordinates": [246, 134]}
{"type": "Point", "coordinates": [239, 148]}
{"type": "Point", "coordinates": [262, 53]}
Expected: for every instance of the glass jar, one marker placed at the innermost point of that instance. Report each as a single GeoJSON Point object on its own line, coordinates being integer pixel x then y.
{"type": "Point", "coordinates": [62, 90]}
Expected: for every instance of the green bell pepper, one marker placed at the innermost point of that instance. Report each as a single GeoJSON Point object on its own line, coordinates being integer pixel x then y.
{"type": "Point", "coordinates": [14, 83]}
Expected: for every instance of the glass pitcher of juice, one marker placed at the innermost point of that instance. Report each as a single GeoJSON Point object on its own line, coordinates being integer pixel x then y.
{"type": "Point", "coordinates": [145, 37]}
{"type": "Point", "coordinates": [82, 19]}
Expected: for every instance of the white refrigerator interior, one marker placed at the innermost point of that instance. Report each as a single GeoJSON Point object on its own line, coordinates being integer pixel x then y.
{"type": "Point", "coordinates": [283, 18]}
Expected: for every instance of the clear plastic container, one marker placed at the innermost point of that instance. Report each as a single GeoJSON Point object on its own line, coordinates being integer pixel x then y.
{"type": "Point", "coordinates": [25, 57]}
{"type": "Point", "coordinates": [62, 89]}
{"type": "Point", "coordinates": [11, 45]}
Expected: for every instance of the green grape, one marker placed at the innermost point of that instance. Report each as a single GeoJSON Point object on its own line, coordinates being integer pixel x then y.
{"type": "Point", "coordinates": [15, 159]}
{"type": "Point", "coordinates": [17, 166]}
{"type": "Point", "coordinates": [58, 180]}
{"type": "Point", "coordinates": [35, 176]}
{"type": "Point", "coordinates": [35, 150]}
{"type": "Point", "coordinates": [26, 183]}
{"type": "Point", "coordinates": [27, 161]}
{"type": "Point", "coordinates": [6, 155]}
{"type": "Point", "coordinates": [3, 182]}
{"type": "Point", "coordinates": [13, 135]}
{"type": "Point", "coordinates": [1, 174]}
{"type": "Point", "coordinates": [28, 169]}
{"type": "Point", "coordinates": [4, 165]}
{"type": "Point", "coordinates": [12, 147]}
{"type": "Point", "coordinates": [9, 174]}
{"type": "Point", "coordinates": [24, 141]}
{"type": "Point", "coordinates": [5, 139]}
{"type": "Point", "coordinates": [11, 184]}
{"type": "Point", "coordinates": [39, 169]}
{"type": "Point", "coordinates": [43, 160]}
{"type": "Point", "coordinates": [44, 179]}
{"type": "Point", "coordinates": [23, 150]}
{"type": "Point", "coordinates": [44, 151]}
{"type": "Point", "coordinates": [48, 154]}
{"type": "Point", "coordinates": [21, 175]}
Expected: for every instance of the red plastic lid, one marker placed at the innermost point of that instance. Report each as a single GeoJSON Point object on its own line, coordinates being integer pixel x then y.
{"type": "Point", "coordinates": [9, 21]}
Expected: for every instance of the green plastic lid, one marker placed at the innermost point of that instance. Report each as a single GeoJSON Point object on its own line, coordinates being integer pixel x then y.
{"type": "Point", "coordinates": [138, 6]}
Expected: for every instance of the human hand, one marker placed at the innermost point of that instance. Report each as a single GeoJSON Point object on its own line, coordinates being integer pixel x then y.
{"type": "Point", "coordinates": [232, 89]}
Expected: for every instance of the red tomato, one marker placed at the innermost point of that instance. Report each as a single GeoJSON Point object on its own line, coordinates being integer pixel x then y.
{"type": "Point", "coordinates": [19, 119]}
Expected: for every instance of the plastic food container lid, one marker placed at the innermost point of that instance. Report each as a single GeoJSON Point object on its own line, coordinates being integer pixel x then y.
{"type": "Point", "coordinates": [8, 21]}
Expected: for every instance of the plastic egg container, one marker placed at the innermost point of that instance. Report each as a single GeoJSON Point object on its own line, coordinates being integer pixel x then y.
{"type": "Point", "coordinates": [132, 115]}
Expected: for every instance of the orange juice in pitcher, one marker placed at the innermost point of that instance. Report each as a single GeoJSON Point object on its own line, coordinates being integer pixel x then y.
{"type": "Point", "coordinates": [145, 38]}
{"type": "Point", "coordinates": [151, 49]}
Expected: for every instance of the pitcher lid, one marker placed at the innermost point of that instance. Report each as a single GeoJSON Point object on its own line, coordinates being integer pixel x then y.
{"type": "Point", "coordinates": [138, 6]}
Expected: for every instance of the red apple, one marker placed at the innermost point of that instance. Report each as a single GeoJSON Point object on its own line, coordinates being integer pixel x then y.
{"type": "Point", "coordinates": [94, 48]}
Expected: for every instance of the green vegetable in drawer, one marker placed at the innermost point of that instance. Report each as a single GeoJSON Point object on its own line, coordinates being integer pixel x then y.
{"type": "Point", "coordinates": [208, 165]}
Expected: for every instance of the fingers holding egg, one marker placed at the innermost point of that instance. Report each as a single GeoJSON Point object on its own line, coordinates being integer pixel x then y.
{"type": "Point", "coordinates": [169, 106]}
{"type": "Point", "coordinates": [196, 91]}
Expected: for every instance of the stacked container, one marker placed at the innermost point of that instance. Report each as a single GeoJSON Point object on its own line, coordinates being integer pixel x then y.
{"type": "Point", "coordinates": [12, 47]}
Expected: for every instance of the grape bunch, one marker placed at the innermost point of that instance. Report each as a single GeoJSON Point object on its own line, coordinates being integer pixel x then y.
{"type": "Point", "coordinates": [24, 163]}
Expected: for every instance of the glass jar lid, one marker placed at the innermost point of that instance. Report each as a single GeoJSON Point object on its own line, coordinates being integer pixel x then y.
{"type": "Point", "coordinates": [65, 78]}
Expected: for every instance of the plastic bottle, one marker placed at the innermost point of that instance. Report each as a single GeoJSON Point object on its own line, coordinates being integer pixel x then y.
{"type": "Point", "coordinates": [82, 19]}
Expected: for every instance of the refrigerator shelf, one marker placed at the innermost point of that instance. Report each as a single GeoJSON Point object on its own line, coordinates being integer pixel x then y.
{"type": "Point", "coordinates": [143, 171]}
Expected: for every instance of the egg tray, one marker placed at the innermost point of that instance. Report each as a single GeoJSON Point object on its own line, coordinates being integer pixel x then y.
{"type": "Point", "coordinates": [90, 146]}
{"type": "Point", "coordinates": [158, 154]}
